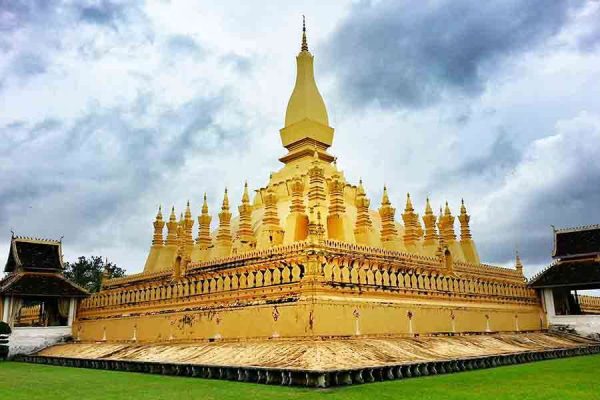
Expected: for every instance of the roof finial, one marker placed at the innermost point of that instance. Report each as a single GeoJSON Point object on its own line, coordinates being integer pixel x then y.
{"type": "Point", "coordinates": [304, 43]}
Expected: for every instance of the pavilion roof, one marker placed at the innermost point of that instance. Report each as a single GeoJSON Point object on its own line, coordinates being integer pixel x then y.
{"type": "Point", "coordinates": [579, 274]}
{"type": "Point", "coordinates": [576, 242]}
{"type": "Point", "coordinates": [40, 284]}
{"type": "Point", "coordinates": [32, 254]}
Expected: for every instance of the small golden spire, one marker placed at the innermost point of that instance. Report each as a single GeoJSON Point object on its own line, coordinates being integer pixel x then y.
{"type": "Point", "coordinates": [173, 217]}
{"type": "Point", "coordinates": [205, 205]}
{"type": "Point", "coordinates": [518, 263]}
{"type": "Point", "coordinates": [225, 206]}
{"type": "Point", "coordinates": [385, 200]}
{"type": "Point", "coordinates": [360, 190]}
{"type": "Point", "coordinates": [304, 46]}
{"type": "Point", "coordinates": [245, 196]}
{"type": "Point", "coordinates": [463, 209]}
{"type": "Point", "coordinates": [428, 209]}
{"type": "Point", "coordinates": [188, 211]}
{"type": "Point", "coordinates": [409, 206]}
{"type": "Point", "coordinates": [157, 239]}
{"type": "Point", "coordinates": [447, 209]}
{"type": "Point", "coordinates": [204, 239]}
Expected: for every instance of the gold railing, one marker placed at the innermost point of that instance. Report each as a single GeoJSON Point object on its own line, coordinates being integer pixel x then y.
{"type": "Point", "coordinates": [590, 304]}
{"type": "Point", "coordinates": [197, 284]}
{"type": "Point", "coordinates": [396, 276]}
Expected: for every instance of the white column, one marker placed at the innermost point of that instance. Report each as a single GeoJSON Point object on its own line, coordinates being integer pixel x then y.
{"type": "Point", "coordinates": [549, 301]}
{"type": "Point", "coordinates": [6, 311]}
{"type": "Point", "coordinates": [72, 307]}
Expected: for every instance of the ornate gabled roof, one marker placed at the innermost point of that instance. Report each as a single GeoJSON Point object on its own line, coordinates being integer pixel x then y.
{"type": "Point", "coordinates": [34, 254]}
{"type": "Point", "coordinates": [40, 284]}
{"type": "Point", "coordinates": [576, 242]}
{"type": "Point", "coordinates": [580, 274]}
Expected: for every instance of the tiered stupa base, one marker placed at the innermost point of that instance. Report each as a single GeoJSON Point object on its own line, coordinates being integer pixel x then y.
{"type": "Point", "coordinates": [320, 362]}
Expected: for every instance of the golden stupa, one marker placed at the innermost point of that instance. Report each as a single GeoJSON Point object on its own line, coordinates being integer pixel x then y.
{"type": "Point", "coordinates": [308, 256]}
{"type": "Point", "coordinates": [309, 285]}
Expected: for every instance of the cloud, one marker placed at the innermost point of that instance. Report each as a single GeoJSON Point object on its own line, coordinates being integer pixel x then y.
{"type": "Point", "coordinates": [555, 183]}
{"type": "Point", "coordinates": [111, 108]}
{"type": "Point", "coordinates": [589, 38]}
{"type": "Point", "coordinates": [498, 161]}
{"type": "Point", "coordinates": [181, 45]}
{"type": "Point", "coordinates": [79, 176]}
{"type": "Point", "coordinates": [403, 54]}
{"type": "Point", "coordinates": [102, 12]}
{"type": "Point", "coordinates": [27, 64]}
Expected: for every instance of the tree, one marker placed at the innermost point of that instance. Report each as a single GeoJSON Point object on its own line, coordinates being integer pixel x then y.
{"type": "Point", "coordinates": [88, 272]}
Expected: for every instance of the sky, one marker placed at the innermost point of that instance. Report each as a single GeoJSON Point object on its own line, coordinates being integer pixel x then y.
{"type": "Point", "coordinates": [110, 108]}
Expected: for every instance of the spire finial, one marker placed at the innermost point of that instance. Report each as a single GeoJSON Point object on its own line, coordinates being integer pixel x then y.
{"type": "Point", "coordinates": [428, 209]}
{"type": "Point", "coordinates": [409, 207]}
{"type": "Point", "coordinates": [304, 43]}
{"type": "Point", "coordinates": [385, 200]}
{"type": "Point", "coordinates": [188, 211]}
{"type": "Point", "coordinates": [463, 208]}
{"type": "Point", "coordinates": [518, 263]}
{"type": "Point", "coordinates": [245, 196]}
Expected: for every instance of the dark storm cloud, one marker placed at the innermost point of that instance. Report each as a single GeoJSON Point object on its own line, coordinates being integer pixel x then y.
{"type": "Point", "coordinates": [15, 14]}
{"type": "Point", "coordinates": [555, 183]}
{"type": "Point", "coordinates": [70, 178]}
{"type": "Point", "coordinates": [102, 13]}
{"type": "Point", "coordinates": [499, 160]}
{"type": "Point", "coordinates": [410, 54]}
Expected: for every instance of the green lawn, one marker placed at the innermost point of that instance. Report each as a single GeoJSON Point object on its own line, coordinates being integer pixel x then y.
{"type": "Point", "coordinates": [569, 378]}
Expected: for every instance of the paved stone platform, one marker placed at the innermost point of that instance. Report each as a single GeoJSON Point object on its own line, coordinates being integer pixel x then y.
{"type": "Point", "coordinates": [320, 362]}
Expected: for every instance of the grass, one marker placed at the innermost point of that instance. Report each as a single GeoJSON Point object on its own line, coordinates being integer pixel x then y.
{"type": "Point", "coordinates": [570, 378]}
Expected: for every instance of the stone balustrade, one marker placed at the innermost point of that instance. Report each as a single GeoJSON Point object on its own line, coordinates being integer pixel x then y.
{"type": "Point", "coordinates": [201, 283]}
{"type": "Point", "coordinates": [341, 264]}
{"type": "Point", "coordinates": [589, 304]}
{"type": "Point", "coordinates": [395, 277]}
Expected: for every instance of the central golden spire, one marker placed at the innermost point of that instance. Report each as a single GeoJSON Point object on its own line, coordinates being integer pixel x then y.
{"type": "Point", "coordinates": [306, 119]}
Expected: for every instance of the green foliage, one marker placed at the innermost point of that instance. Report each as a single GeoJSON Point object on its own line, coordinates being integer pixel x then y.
{"type": "Point", "coordinates": [4, 328]}
{"type": "Point", "coordinates": [87, 272]}
{"type": "Point", "coordinates": [560, 379]}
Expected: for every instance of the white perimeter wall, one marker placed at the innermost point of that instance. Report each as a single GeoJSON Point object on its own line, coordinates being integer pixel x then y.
{"type": "Point", "coordinates": [585, 325]}
{"type": "Point", "coordinates": [27, 340]}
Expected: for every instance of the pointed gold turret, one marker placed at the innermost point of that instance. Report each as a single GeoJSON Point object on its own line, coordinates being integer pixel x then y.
{"type": "Point", "coordinates": [224, 239]}
{"type": "Point", "coordinates": [410, 224]}
{"type": "Point", "coordinates": [172, 229]}
{"type": "Point", "coordinates": [466, 241]}
{"type": "Point", "coordinates": [518, 264]}
{"type": "Point", "coordinates": [429, 220]}
{"type": "Point", "coordinates": [204, 240]}
{"type": "Point", "coordinates": [465, 231]}
{"type": "Point", "coordinates": [245, 232]}
{"type": "Point", "coordinates": [363, 229]}
{"type": "Point", "coordinates": [447, 221]}
{"type": "Point", "coordinates": [272, 233]}
{"type": "Point", "coordinates": [306, 119]}
{"type": "Point", "coordinates": [389, 233]}
{"type": "Point", "coordinates": [188, 224]}
{"type": "Point", "coordinates": [337, 228]}
{"type": "Point", "coordinates": [159, 224]}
